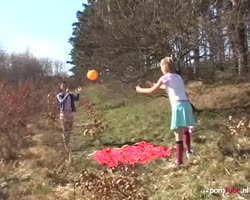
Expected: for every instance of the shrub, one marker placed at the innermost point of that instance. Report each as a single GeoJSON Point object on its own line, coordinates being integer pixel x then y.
{"type": "Point", "coordinates": [20, 103]}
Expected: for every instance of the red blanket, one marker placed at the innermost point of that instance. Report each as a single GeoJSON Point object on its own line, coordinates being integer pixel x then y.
{"type": "Point", "coordinates": [138, 153]}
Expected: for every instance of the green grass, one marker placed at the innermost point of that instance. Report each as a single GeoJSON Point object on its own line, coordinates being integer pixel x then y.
{"type": "Point", "coordinates": [42, 190]}
{"type": "Point", "coordinates": [135, 122]}
{"type": "Point", "coordinates": [148, 119]}
{"type": "Point", "coordinates": [135, 119]}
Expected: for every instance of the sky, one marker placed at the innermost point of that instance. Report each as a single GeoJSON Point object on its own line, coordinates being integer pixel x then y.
{"type": "Point", "coordinates": [42, 26]}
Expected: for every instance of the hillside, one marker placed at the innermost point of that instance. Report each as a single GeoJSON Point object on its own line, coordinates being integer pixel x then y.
{"type": "Point", "coordinates": [222, 157]}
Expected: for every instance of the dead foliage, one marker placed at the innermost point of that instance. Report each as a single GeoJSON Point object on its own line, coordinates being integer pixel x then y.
{"type": "Point", "coordinates": [20, 104]}
{"type": "Point", "coordinates": [110, 185]}
{"type": "Point", "coordinates": [97, 125]}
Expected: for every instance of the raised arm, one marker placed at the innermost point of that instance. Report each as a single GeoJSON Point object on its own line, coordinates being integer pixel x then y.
{"type": "Point", "coordinates": [76, 97]}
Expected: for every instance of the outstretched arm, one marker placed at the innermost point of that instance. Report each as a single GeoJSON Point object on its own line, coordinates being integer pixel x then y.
{"type": "Point", "coordinates": [149, 90]}
{"type": "Point", "coordinates": [163, 86]}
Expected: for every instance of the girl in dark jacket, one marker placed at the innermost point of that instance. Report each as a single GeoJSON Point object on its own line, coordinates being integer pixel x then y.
{"type": "Point", "coordinates": [67, 107]}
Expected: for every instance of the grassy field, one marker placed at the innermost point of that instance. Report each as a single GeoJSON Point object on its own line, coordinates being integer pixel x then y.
{"type": "Point", "coordinates": [221, 160]}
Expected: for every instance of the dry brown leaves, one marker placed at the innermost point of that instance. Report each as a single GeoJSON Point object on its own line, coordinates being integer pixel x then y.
{"type": "Point", "coordinates": [20, 103]}
{"type": "Point", "coordinates": [97, 126]}
{"type": "Point", "coordinates": [52, 108]}
{"type": "Point", "coordinates": [239, 126]}
{"type": "Point", "coordinates": [108, 185]}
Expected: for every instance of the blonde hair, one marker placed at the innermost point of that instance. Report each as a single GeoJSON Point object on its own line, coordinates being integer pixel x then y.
{"type": "Point", "coordinates": [167, 65]}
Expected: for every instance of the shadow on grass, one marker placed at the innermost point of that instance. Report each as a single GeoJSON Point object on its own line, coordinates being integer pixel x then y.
{"type": "Point", "coordinates": [241, 153]}
{"type": "Point", "coordinates": [226, 110]}
{"type": "Point", "coordinates": [244, 152]}
{"type": "Point", "coordinates": [115, 144]}
{"type": "Point", "coordinates": [3, 196]}
{"type": "Point", "coordinates": [120, 144]}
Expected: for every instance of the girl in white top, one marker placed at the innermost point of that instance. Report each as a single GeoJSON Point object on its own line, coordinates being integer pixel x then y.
{"type": "Point", "coordinates": [182, 115]}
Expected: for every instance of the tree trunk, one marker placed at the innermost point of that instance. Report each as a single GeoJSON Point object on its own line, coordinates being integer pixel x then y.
{"type": "Point", "coordinates": [242, 49]}
{"type": "Point", "coordinates": [238, 36]}
{"type": "Point", "coordinates": [239, 46]}
{"type": "Point", "coordinates": [196, 62]}
{"type": "Point", "coordinates": [234, 53]}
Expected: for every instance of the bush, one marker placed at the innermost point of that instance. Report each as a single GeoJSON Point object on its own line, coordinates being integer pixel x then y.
{"type": "Point", "coordinates": [19, 105]}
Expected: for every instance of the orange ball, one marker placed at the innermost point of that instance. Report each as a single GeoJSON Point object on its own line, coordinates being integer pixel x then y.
{"type": "Point", "coordinates": [92, 75]}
